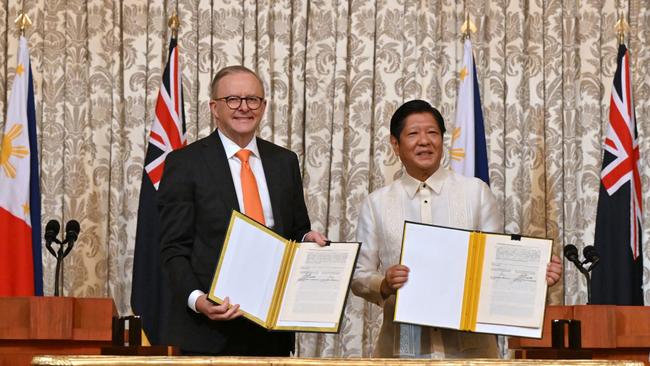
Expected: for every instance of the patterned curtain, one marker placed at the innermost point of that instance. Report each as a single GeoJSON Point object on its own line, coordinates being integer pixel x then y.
{"type": "Point", "coordinates": [334, 72]}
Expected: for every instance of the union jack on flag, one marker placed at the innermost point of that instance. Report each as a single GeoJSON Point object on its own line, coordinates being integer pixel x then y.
{"type": "Point", "coordinates": [622, 142]}
{"type": "Point", "coordinates": [618, 279]}
{"type": "Point", "coordinates": [168, 130]}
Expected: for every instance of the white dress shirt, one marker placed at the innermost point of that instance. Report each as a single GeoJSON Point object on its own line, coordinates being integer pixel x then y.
{"type": "Point", "coordinates": [255, 162]}
{"type": "Point", "coordinates": [446, 199]}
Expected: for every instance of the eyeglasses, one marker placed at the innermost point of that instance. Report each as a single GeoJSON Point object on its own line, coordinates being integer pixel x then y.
{"type": "Point", "coordinates": [234, 102]}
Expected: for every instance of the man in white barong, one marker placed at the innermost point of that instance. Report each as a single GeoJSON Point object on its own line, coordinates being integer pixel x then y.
{"type": "Point", "coordinates": [427, 193]}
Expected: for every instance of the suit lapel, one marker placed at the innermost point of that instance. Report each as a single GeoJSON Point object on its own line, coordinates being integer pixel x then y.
{"type": "Point", "coordinates": [273, 174]}
{"type": "Point", "coordinates": [214, 156]}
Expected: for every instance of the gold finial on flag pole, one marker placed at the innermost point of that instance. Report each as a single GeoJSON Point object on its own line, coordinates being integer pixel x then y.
{"type": "Point", "coordinates": [22, 22]}
{"type": "Point", "coordinates": [174, 23]}
{"type": "Point", "coordinates": [621, 25]}
{"type": "Point", "coordinates": [468, 26]}
{"type": "Point", "coordinates": [621, 28]}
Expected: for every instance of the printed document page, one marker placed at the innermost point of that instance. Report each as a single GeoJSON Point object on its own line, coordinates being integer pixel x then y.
{"type": "Point", "coordinates": [437, 259]}
{"type": "Point", "coordinates": [513, 285]}
{"type": "Point", "coordinates": [317, 285]}
{"type": "Point", "coordinates": [250, 268]}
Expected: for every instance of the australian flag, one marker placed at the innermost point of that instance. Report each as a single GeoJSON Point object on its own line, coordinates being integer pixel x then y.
{"type": "Point", "coordinates": [149, 292]}
{"type": "Point", "coordinates": [618, 280]}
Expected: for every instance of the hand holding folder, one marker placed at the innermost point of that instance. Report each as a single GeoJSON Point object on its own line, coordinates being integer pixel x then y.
{"type": "Point", "coordinates": [220, 312]}
{"type": "Point", "coordinates": [280, 284]}
{"type": "Point", "coordinates": [473, 281]}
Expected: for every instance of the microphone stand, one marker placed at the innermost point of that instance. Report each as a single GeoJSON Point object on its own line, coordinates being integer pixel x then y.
{"type": "Point", "coordinates": [581, 267]}
{"type": "Point", "coordinates": [59, 255]}
{"type": "Point", "coordinates": [57, 272]}
{"type": "Point", "coordinates": [585, 272]}
{"type": "Point", "coordinates": [68, 242]}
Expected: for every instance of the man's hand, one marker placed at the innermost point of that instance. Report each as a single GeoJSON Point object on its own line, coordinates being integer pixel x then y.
{"type": "Point", "coordinates": [553, 271]}
{"type": "Point", "coordinates": [316, 237]}
{"type": "Point", "coordinates": [213, 311]}
{"type": "Point", "coordinates": [396, 276]}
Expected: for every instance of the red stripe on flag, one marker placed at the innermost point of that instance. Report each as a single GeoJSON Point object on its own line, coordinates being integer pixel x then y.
{"type": "Point", "coordinates": [620, 127]}
{"type": "Point", "coordinates": [16, 265]}
{"type": "Point", "coordinates": [637, 179]}
{"type": "Point", "coordinates": [628, 91]}
{"type": "Point", "coordinates": [635, 243]}
{"type": "Point", "coordinates": [174, 82]}
{"type": "Point", "coordinates": [156, 173]}
{"type": "Point", "coordinates": [616, 174]}
{"type": "Point", "coordinates": [156, 137]}
{"type": "Point", "coordinates": [167, 123]}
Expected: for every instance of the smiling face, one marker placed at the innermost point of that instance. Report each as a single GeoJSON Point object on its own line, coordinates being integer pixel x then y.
{"type": "Point", "coordinates": [420, 145]}
{"type": "Point", "coordinates": [239, 124]}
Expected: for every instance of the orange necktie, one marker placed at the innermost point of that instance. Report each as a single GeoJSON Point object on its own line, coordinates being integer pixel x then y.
{"type": "Point", "coordinates": [252, 202]}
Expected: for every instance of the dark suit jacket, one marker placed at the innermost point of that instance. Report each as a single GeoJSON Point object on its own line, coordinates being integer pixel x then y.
{"type": "Point", "coordinates": [196, 198]}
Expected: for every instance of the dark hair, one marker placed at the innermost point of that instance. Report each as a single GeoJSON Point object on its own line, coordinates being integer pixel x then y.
{"type": "Point", "coordinates": [412, 107]}
{"type": "Point", "coordinates": [228, 70]}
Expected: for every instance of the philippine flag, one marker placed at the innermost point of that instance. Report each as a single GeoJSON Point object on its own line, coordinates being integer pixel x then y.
{"type": "Point", "coordinates": [20, 207]}
{"type": "Point", "coordinates": [468, 147]}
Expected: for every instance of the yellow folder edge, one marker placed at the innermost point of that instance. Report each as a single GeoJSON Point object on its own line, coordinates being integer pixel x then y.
{"type": "Point", "coordinates": [472, 289]}
{"type": "Point", "coordinates": [281, 283]}
{"type": "Point", "coordinates": [334, 328]}
{"type": "Point", "coordinates": [401, 258]}
{"type": "Point", "coordinates": [235, 216]}
{"type": "Point", "coordinates": [266, 324]}
{"type": "Point", "coordinates": [464, 314]}
{"type": "Point", "coordinates": [480, 241]}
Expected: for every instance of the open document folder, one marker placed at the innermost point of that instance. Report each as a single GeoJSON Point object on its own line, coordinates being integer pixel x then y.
{"type": "Point", "coordinates": [473, 281]}
{"type": "Point", "coordinates": [280, 284]}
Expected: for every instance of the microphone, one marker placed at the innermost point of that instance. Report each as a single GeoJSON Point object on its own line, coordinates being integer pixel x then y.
{"type": "Point", "coordinates": [591, 254]}
{"type": "Point", "coordinates": [571, 253]}
{"type": "Point", "coordinates": [52, 230]}
{"type": "Point", "coordinates": [72, 229]}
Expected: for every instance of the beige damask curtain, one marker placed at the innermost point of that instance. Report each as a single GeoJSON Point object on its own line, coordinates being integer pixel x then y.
{"type": "Point", "coordinates": [335, 71]}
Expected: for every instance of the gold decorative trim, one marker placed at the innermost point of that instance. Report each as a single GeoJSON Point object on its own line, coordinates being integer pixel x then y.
{"type": "Point", "coordinates": [290, 361]}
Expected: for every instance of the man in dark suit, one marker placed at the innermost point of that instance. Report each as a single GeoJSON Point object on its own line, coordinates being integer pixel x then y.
{"type": "Point", "coordinates": [201, 185]}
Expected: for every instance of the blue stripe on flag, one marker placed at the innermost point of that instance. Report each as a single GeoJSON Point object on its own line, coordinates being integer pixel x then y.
{"type": "Point", "coordinates": [480, 147]}
{"type": "Point", "coordinates": [34, 188]}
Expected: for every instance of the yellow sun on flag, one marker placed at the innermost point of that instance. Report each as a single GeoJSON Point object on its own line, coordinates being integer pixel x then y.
{"type": "Point", "coordinates": [9, 150]}
{"type": "Point", "coordinates": [20, 69]}
{"type": "Point", "coordinates": [26, 208]}
{"type": "Point", "coordinates": [458, 153]}
{"type": "Point", "coordinates": [463, 73]}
